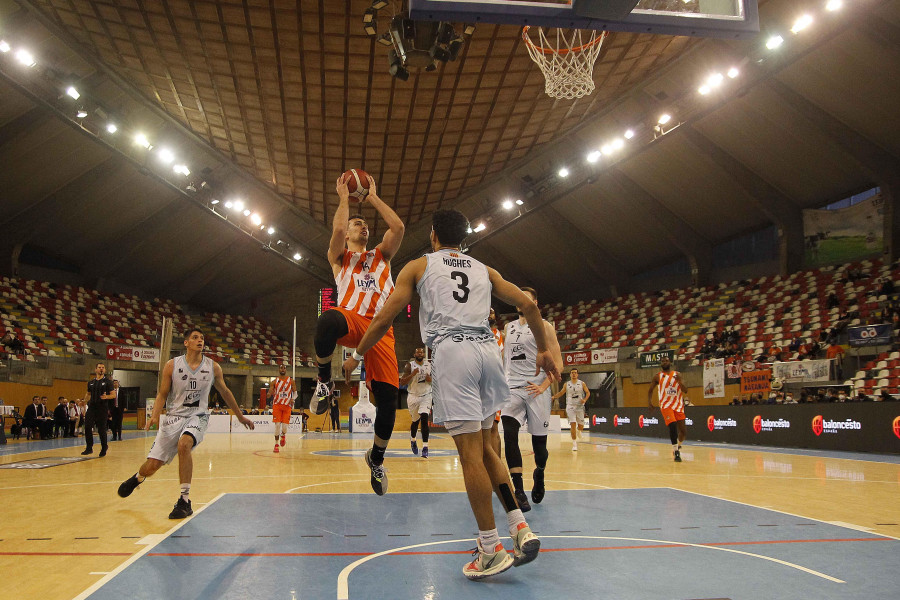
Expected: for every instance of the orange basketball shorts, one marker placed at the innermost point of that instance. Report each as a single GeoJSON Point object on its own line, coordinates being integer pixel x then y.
{"type": "Point", "coordinates": [281, 413]}
{"type": "Point", "coordinates": [381, 360]}
{"type": "Point", "coordinates": [671, 415]}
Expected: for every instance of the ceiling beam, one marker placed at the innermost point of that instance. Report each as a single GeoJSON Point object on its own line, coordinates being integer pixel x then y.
{"type": "Point", "coordinates": [772, 202]}
{"type": "Point", "coordinates": [694, 246]}
{"type": "Point", "coordinates": [197, 279]}
{"type": "Point", "coordinates": [25, 122]}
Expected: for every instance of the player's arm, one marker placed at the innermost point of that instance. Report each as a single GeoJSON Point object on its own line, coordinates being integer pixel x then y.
{"type": "Point", "coordinates": [651, 390]}
{"type": "Point", "coordinates": [550, 332]}
{"type": "Point", "coordinates": [683, 387]}
{"type": "Point", "coordinates": [559, 393]}
{"type": "Point", "coordinates": [394, 235]}
{"type": "Point", "coordinates": [407, 375]}
{"type": "Point", "coordinates": [228, 397]}
{"type": "Point", "coordinates": [547, 359]}
{"type": "Point", "coordinates": [400, 297]}
{"type": "Point", "coordinates": [587, 392]}
{"type": "Point", "coordinates": [161, 394]}
{"type": "Point", "coordinates": [339, 225]}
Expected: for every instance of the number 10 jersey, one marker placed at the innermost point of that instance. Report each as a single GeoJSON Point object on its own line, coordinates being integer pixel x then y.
{"type": "Point", "coordinates": [455, 294]}
{"type": "Point", "coordinates": [189, 394]}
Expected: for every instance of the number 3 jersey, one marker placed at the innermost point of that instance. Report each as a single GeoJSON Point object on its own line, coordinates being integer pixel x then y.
{"type": "Point", "coordinates": [189, 394]}
{"type": "Point", "coordinates": [455, 293]}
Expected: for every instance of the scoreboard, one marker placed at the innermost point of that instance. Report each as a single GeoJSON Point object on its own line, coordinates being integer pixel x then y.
{"type": "Point", "coordinates": [327, 299]}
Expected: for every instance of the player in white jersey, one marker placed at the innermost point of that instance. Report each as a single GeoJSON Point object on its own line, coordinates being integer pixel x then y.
{"type": "Point", "coordinates": [416, 377]}
{"type": "Point", "coordinates": [528, 403]}
{"type": "Point", "coordinates": [467, 380]}
{"type": "Point", "coordinates": [184, 391]}
{"type": "Point", "coordinates": [672, 396]}
{"type": "Point", "coordinates": [577, 394]}
{"type": "Point", "coordinates": [284, 392]}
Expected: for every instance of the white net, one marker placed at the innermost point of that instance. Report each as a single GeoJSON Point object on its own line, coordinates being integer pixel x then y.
{"type": "Point", "coordinates": [566, 59]}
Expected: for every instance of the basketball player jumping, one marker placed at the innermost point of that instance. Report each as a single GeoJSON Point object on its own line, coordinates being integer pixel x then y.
{"type": "Point", "coordinates": [417, 377]}
{"type": "Point", "coordinates": [364, 283]}
{"type": "Point", "coordinates": [671, 403]}
{"type": "Point", "coordinates": [284, 392]}
{"type": "Point", "coordinates": [577, 394]}
{"type": "Point", "coordinates": [184, 392]}
{"type": "Point", "coordinates": [468, 384]}
{"type": "Point", "coordinates": [527, 403]}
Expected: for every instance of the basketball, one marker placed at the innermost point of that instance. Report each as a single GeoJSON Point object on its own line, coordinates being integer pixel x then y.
{"type": "Point", "coordinates": [357, 183]}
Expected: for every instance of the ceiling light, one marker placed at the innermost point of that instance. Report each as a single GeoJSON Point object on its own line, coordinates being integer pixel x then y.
{"type": "Point", "coordinates": [733, 72]}
{"type": "Point", "coordinates": [508, 204]}
{"type": "Point", "coordinates": [182, 169]}
{"type": "Point", "coordinates": [469, 28]}
{"type": "Point", "coordinates": [469, 229]}
{"type": "Point", "coordinates": [81, 113]}
{"type": "Point", "coordinates": [4, 46]}
{"type": "Point", "coordinates": [238, 205]}
{"type": "Point", "coordinates": [297, 256]}
{"type": "Point", "coordinates": [704, 90]}
{"type": "Point", "coordinates": [166, 155]}
{"type": "Point", "coordinates": [715, 80]}
{"type": "Point", "coordinates": [25, 57]}
{"type": "Point", "coordinates": [379, 4]}
{"type": "Point", "coordinates": [255, 219]}
{"type": "Point", "coordinates": [519, 202]}
{"type": "Point", "coordinates": [629, 134]}
{"type": "Point", "coordinates": [564, 172]}
{"type": "Point", "coordinates": [832, 6]}
{"type": "Point", "coordinates": [593, 156]}
{"type": "Point", "coordinates": [228, 203]}
{"type": "Point", "coordinates": [72, 93]}
{"type": "Point", "coordinates": [802, 23]}
{"type": "Point", "coordinates": [214, 201]}
{"type": "Point", "coordinates": [141, 140]}
{"type": "Point", "coordinates": [606, 149]}
{"type": "Point", "coordinates": [774, 42]}
{"type": "Point", "coordinates": [246, 212]}
{"type": "Point", "coordinates": [618, 144]}
{"type": "Point", "coordinates": [665, 118]}
{"type": "Point", "coordinates": [111, 127]}
{"type": "Point", "coordinates": [270, 230]}
{"type": "Point", "coordinates": [479, 228]}
{"type": "Point", "coordinates": [385, 39]}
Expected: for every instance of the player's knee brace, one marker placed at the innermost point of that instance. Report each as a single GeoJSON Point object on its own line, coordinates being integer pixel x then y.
{"type": "Point", "coordinates": [673, 432]}
{"type": "Point", "coordinates": [386, 401]}
{"type": "Point", "coordinates": [539, 445]}
{"type": "Point", "coordinates": [511, 439]}
{"type": "Point", "coordinates": [330, 327]}
{"type": "Point", "coordinates": [425, 430]}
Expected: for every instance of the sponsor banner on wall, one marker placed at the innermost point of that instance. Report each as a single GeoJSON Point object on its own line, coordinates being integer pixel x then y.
{"type": "Point", "coordinates": [647, 360]}
{"type": "Point", "coordinates": [132, 353]}
{"type": "Point", "coordinates": [802, 370]}
{"type": "Point", "coordinates": [714, 378]}
{"type": "Point", "coordinates": [861, 427]}
{"type": "Point", "coordinates": [870, 335]}
{"type": "Point", "coordinates": [582, 357]}
{"type": "Point", "coordinates": [264, 424]}
{"type": "Point", "coordinates": [591, 357]}
{"type": "Point", "coordinates": [756, 382]}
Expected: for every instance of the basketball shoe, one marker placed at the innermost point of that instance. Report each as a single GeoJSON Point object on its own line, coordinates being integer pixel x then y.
{"type": "Point", "coordinates": [321, 400]}
{"type": "Point", "coordinates": [182, 509]}
{"type": "Point", "coordinates": [526, 545]}
{"type": "Point", "coordinates": [522, 501]}
{"type": "Point", "coordinates": [414, 447]}
{"type": "Point", "coordinates": [486, 564]}
{"type": "Point", "coordinates": [537, 492]}
{"type": "Point", "coordinates": [128, 486]}
{"type": "Point", "coordinates": [379, 475]}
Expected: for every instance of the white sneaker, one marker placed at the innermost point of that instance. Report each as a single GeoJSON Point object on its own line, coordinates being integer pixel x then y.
{"type": "Point", "coordinates": [574, 446]}
{"type": "Point", "coordinates": [486, 564]}
{"type": "Point", "coordinates": [526, 545]}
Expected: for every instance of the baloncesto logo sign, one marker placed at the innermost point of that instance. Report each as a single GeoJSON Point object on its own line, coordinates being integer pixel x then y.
{"type": "Point", "coordinates": [897, 427]}
{"type": "Point", "coordinates": [595, 420]}
{"type": "Point", "coordinates": [761, 424]}
{"type": "Point", "coordinates": [617, 420]}
{"type": "Point", "coordinates": [821, 425]}
{"type": "Point", "coordinates": [647, 421]}
{"type": "Point", "coordinates": [712, 423]}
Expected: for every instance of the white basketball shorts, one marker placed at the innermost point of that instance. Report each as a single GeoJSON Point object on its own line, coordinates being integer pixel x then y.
{"type": "Point", "coordinates": [418, 405]}
{"type": "Point", "coordinates": [535, 412]}
{"type": "Point", "coordinates": [467, 379]}
{"type": "Point", "coordinates": [171, 428]}
{"type": "Point", "coordinates": [575, 412]}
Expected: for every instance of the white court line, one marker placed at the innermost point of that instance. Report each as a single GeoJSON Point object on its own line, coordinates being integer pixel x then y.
{"type": "Point", "coordinates": [605, 487]}
{"type": "Point", "coordinates": [106, 578]}
{"type": "Point", "coordinates": [784, 512]}
{"type": "Point", "coordinates": [343, 590]}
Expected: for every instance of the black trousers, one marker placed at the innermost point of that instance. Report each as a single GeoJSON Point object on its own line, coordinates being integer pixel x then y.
{"type": "Point", "coordinates": [96, 415]}
{"type": "Point", "coordinates": [60, 427]}
{"type": "Point", "coordinates": [115, 415]}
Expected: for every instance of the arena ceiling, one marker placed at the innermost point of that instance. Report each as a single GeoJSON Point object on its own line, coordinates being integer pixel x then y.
{"type": "Point", "coordinates": [271, 101]}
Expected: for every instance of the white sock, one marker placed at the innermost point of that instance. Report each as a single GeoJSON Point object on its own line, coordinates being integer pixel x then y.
{"type": "Point", "coordinates": [513, 518]}
{"type": "Point", "coordinates": [185, 491]}
{"type": "Point", "coordinates": [489, 539]}
{"type": "Point", "coordinates": [676, 447]}
{"type": "Point", "coordinates": [424, 444]}
{"type": "Point", "coordinates": [413, 438]}
{"type": "Point", "coordinates": [140, 478]}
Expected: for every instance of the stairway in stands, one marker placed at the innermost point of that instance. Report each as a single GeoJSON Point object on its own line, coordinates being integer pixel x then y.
{"type": "Point", "coordinates": [709, 317]}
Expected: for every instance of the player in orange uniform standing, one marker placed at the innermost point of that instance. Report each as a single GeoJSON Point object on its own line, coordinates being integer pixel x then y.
{"type": "Point", "coordinates": [671, 403]}
{"type": "Point", "coordinates": [284, 392]}
{"type": "Point", "coordinates": [364, 283]}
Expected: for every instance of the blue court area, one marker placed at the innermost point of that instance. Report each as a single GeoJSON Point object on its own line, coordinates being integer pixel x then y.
{"type": "Point", "coordinates": [639, 543]}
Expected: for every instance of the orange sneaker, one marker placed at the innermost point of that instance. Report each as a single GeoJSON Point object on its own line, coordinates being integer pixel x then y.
{"type": "Point", "coordinates": [488, 563]}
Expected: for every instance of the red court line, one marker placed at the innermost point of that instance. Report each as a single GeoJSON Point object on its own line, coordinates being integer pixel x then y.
{"type": "Point", "coordinates": [641, 547]}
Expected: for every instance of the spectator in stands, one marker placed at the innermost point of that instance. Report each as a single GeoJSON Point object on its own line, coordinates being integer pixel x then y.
{"type": "Point", "coordinates": [842, 396]}
{"type": "Point", "coordinates": [61, 417]}
{"type": "Point", "coordinates": [836, 353]}
{"type": "Point", "coordinates": [30, 420]}
{"type": "Point", "coordinates": [804, 397]}
{"type": "Point", "coordinates": [886, 396]}
{"type": "Point", "coordinates": [46, 420]}
{"type": "Point", "coordinates": [795, 344]}
{"type": "Point", "coordinates": [15, 345]}
{"type": "Point", "coordinates": [735, 401]}
{"type": "Point", "coordinates": [72, 411]}
{"type": "Point", "coordinates": [821, 395]}
{"type": "Point", "coordinates": [789, 398]}
{"type": "Point", "coordinates": [862, 397]}
{"type": "Point", "coordinates": [832, 301]}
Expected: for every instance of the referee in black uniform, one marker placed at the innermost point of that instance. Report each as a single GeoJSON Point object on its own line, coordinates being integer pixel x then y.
{"type": "Point", "coordinates": [100, 390]}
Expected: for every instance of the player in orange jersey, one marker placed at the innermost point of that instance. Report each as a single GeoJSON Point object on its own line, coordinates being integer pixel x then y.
{"type": "Point", "coordinates": [284, 392]}
{"type": "Point", "coordinates": [364, 283]}
{"type": "Point", "coordinates": [671, 402]}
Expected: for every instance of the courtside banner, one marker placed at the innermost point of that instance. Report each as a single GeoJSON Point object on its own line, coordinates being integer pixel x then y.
{"type": "Point", "coordinates": [132, 353]}
{"type": "Point", "coordinates": [802, 370]}
{"type": "Point", "coordinates": [647, 360]}
{"type": "Point", "coordinates": [604, 356]}
{"type": "Point", "coordinates": [870, 335]}
{"type": "Point", "coordinates": [858, 427]}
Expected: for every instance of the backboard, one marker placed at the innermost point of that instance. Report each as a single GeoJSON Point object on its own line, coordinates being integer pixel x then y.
{"type": "Point", "coordinates": [735, 19]}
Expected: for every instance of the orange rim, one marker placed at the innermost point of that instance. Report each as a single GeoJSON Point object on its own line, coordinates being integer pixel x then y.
{"type": "Point", "coordinates": [541, 49]}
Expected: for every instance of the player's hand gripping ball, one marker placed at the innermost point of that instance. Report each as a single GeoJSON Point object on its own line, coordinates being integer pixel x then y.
{"type": "Point", "coordinates": [357, 182]}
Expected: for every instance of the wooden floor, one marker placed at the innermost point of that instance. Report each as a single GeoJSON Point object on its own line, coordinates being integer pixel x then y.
{"type": "Point", "coordinates": [64, 527]}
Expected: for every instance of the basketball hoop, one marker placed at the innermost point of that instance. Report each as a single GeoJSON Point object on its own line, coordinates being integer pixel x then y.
{"type": "Point", "coordinates": [568, 64]}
